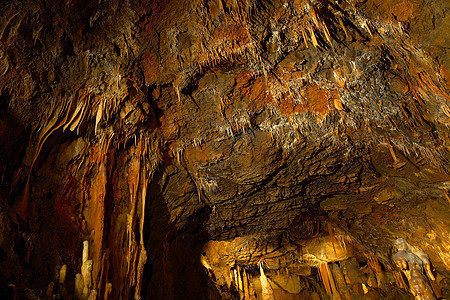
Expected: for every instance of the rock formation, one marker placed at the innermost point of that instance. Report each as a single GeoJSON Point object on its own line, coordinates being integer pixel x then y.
{"type": "Point", "coordinates": [224, 149]}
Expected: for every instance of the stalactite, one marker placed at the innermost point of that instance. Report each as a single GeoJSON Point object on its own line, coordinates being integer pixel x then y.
{"type": "Point", "coordinates": [98, 116]}
{"type": "Point", "coordinates": [374, 264]}
{"type": "Point", "coordinates": [313, 37]}
{"type": "Point", "coordinates": [77, 116]}
{"type": "Point", "coordinates": [133, 247]}
{"type": "Point", "coordinates": [240, 284]}
{"type": "Point", "coordinates": [246, 285]}
{"type": "Point", "coordinates": [97, 218]}
{"type": "Point", "coordinates": [342, 26]}
{"type": "Point", "coordinates": [239, 278]}
{"type": "Point", "coordinates": [400, 280]}
{"type": "Point", "coordinates": [325, 278]}
{"type": "Point", "coordinates": [394, 157]}
{"type": "Point", "coordinates": [230, 276]}
{"type": "Point", "coordinates": [137, 179]}
{"type": "Point", "coordinates": [326, 32]}
{"type": "Point", "coordinates": [338, 277]}
{"type": "Point", "coordinates": [445, 193]}
{"type": "Point", "coordinates": [60, 118]}
{"type": "Point", "coordinates": [288, 72]}
{"type": "Point", "coordinates": [142, 259]}
{"type": "Point", "coordinates": [332, 236]}
{"type": "Point", "coordinates": [305, 39]}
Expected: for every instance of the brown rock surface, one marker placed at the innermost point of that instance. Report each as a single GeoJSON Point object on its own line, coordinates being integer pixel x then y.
{"type": "Point", "coordinates": [195, 143]}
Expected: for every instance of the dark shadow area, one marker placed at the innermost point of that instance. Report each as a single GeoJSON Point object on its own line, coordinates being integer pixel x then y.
{"type": "Point", "coordinates": [13, 137]}
{"type": "Point", "coordinates": [173, 269]}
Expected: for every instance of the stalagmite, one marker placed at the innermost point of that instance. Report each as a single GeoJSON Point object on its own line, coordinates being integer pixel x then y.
{"type": "Point", "coordinates": [94, 211]}
{"type": "Point", "coordinates": [140, 270]}
{"type": "Point", "coordinates": [108, 291]}
{"type": "Point", "coordinates": [86, 272]}
{"type": "Point", "coordinates": [93, 295]}
{"type": "Point", "coordinates": [79, 286]}
{"type": "Point", "coordinates": [425, 260]}
{"type": "Point", "coordinates": [420, 287]}
{"type": "Point", "coordinates": [62, 274]}
{"type": "Point", "coordinates": [274, 151]}
{"type": "Point", "coordinates": [338, 277]}
{"type": "Point", "coordinates": [13, 289]}
{"type": "Point", "coordinates": [85, 255]}
{"type": "Point", "coordinates": [49, 292]}
{"type": "Point", "coordinates": [333, 284]}
{"type": "Point", "coordinates": [415, 264]}
{"type": "Point", "coordinates": [408, 258]}
{"type": "Point", "coordinates": [267, 293]}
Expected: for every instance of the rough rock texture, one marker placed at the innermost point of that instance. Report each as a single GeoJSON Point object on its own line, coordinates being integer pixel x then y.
{"type": "Point", "coordinates": [223, 149]}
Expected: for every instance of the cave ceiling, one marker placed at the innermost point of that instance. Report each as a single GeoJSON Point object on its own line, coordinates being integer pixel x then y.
{"type": "Point", "coordinates": [239, 131]}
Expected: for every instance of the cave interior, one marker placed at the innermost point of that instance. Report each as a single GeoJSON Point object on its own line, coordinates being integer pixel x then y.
{"type": "Point", "coordinates": [225, 149]}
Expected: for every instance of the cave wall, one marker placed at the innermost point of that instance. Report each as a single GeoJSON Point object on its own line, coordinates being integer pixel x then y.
{"type": "Point", "coordinates": [155, 129]}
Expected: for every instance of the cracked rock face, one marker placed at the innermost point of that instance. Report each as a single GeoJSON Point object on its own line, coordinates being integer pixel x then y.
{"type": "Point", "coordinates": [224, 149]}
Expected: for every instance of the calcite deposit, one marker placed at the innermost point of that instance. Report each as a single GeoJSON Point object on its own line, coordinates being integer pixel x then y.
{"type": "Point", "coordinates": [224, 149]}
